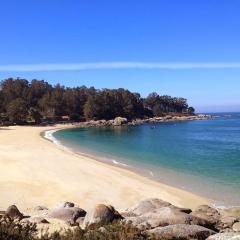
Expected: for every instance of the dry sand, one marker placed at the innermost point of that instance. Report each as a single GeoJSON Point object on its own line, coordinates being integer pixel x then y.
{"type": "Point", "coordinates": [34, 171]}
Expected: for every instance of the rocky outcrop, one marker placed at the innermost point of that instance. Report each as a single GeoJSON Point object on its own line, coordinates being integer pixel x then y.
{"type": "Point", "coordinates": [165, 216]}
{"type": "Point", "coordinates": [150, 216]}
{"type": "Point", "coordinates": [13, 213]}
{"type": "Point", "coordinates": [101, 214]}
{"type": "Point", "coordinates": [181, 231]}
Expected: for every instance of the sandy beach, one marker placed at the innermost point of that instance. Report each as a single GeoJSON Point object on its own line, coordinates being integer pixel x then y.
{"type": "Point", "coordinates": [35, 171]}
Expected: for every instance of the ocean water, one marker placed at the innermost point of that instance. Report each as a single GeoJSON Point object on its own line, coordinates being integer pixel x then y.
{"type": "Point", "coordinates": [199, 156]}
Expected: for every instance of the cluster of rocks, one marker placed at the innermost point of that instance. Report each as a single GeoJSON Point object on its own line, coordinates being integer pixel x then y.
{"type": "Point", "coordinates": [152, 216]}
{"type": "Point", "coordinates": [118, 121]}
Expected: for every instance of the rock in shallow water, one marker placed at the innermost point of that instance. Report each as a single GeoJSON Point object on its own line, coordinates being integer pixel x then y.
{"type": "Point", "coordinates": [181, 231]}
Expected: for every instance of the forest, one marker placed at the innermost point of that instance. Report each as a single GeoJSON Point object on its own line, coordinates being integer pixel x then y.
{"type": "Point", "coordinates": [35, 101]}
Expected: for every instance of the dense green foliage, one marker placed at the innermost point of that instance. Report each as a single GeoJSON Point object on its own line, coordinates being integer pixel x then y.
{"type": "Point", "coordinates": [22, 101]}
{"type": "Point", "coordinates": [11, 230]}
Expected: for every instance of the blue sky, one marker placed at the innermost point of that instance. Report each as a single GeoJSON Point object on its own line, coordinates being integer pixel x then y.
{"type": "Point", "coordinates": [137, 31]}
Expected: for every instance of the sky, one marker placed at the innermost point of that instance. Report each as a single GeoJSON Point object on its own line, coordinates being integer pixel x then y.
{"type": "Point", "coordinates": [188, 48]}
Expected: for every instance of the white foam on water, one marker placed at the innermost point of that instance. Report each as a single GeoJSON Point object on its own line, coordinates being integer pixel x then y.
{"type": "Point", "coordinates": [119, 163]}
{"type": "Point", "coordinates": [151, 173]}
{"type": "Point", "coordinates": [49, 135]}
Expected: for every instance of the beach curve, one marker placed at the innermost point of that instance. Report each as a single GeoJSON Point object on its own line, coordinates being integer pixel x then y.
{"type": "Point", "coordinates": [35, 171]}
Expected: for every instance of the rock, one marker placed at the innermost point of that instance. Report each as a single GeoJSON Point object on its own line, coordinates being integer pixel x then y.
{"type": "Point", "coordinates": [147, 206]}
{"type": "Point", "coordinates": [119, 121]}
{"type": "Point", "coordinates": [181, 231]}
{"type": "Point", "coordinates": [231, 212]}
{"type": "Point", "coordinates": [225, 236]}
{"type": "Point", "coordinates": [206, 212]}
{"type": "Point", "coordinates": [40, 208]}
{"type": "Point", "coordinates": [67, 214]}
{"type": "Point", "coordinates": [165, 216]}
{"type": "Point", "coordinates": [101, 214]}
{"type": "Point", "coordinates": [13, 213]}
{"type": "Point", "coordinates": [226, 222]}
{"type": "Point", "coordinates": [65, 205]}
{"type": "Point", "coordinates": [236, 227]}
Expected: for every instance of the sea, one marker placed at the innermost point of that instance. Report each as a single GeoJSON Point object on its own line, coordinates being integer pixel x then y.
{"type": "Point", "coordinates": [200, 156]}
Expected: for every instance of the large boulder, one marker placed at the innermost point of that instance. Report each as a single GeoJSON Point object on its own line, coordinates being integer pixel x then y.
{"type": "Point", "coordinates": [13, 213]}
{"type": "Point", "coordinates": [165, 216]}
{"type": "Point", "coordinates": [69, 214]}
{"type": "Point", "coordinates": [225, 236]}
{"type": "Point", "coordinates": [181, 231]}
{"type": "Point", "coordinates": [147, 205]}
{"type": "Point", "coordinates": [206, 212]}
{"type": "Point", "coordinates": [119, 121]}
{"type": "Point", "coordinates": [101, 214]}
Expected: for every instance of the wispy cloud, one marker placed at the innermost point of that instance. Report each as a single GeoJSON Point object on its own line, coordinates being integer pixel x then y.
{"type": "Point", "coordinates": [117, 65]}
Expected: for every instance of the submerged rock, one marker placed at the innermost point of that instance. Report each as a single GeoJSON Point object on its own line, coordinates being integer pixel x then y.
{"type": "Point", "coordinates": [181, 231]}
{"type": "Point", "coordinates": [101, 214]}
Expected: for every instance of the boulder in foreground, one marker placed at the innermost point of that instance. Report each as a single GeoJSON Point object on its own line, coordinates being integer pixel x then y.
{"type": "Point", "coordinates": [69, 214]}
{"type": "Point", "coordinates": [101, 214]}
{"type": "Point", "coordinates": [181, 231]}
{"type": "Point", "coordinates": [225, 236]}
{"type": "Point", "coordinates": [13, 213]}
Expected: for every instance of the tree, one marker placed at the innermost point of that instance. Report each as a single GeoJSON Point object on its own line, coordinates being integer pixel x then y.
{"type": "Point", "coordinates": [17, 111]}
{"type": "Point", "coordinates": [191, 110]}
{"type": "Point", "coordinates": [35, 115]}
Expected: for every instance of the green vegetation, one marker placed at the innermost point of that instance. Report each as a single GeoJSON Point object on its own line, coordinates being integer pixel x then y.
{"type": "Point", "coordinates": [11, 230]}
{"type": "Point", "coordinates": [22, 101]}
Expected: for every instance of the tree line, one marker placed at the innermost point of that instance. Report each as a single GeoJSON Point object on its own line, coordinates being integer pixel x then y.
{"type": "Point", "coordinates": [24, 101]}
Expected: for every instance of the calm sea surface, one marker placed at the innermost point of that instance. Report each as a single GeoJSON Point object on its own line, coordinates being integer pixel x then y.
{"type": "Point", "coordinates": [199, 156]}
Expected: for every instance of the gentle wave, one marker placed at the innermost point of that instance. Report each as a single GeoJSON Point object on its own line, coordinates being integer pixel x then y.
{"type": "Point", "coordinates": [49, 135]}
{"type": "Point", "coordinates": [119, 163]}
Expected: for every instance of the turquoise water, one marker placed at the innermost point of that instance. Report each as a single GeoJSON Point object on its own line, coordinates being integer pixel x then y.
{"type": "Point", "coordinates": [200, 156]}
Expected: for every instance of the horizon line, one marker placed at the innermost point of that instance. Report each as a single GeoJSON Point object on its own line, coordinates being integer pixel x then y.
{"type": "Point", "coordinates": [118, 65]}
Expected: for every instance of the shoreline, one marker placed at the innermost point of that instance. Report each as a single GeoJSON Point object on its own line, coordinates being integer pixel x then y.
{"type": "Point", "coordinates": [143, 172]}
{"type": "Point", "coordinates": [29, 178]}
